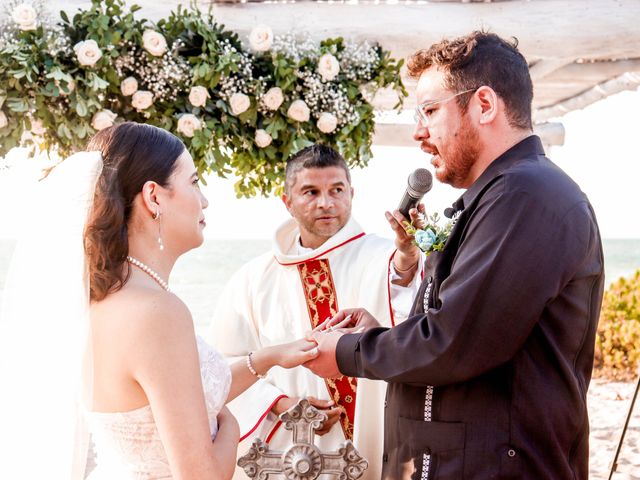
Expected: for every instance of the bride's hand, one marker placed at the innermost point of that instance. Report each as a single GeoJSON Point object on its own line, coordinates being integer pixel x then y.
{"type": "Point", "coordinates": [228, 424]}
{"type": "Point", "coordinates": [289, 355]}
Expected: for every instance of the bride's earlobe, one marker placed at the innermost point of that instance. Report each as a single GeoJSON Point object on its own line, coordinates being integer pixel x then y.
{"type": "Point", "coordinates": [149, 199]}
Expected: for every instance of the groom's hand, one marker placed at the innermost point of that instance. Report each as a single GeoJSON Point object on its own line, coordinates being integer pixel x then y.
{"type": "Point", "coordinates": [325, 364]}
{"type": "Point", "coordinates": [408, 256]}
{"type": "Point", "coordinates": [349, 320]}
{"type": "Point", "coordinates": [404, 240]}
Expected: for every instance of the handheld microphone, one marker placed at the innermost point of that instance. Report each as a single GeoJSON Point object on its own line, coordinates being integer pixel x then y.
{"type": "Point", "coordinates": [418, 183]}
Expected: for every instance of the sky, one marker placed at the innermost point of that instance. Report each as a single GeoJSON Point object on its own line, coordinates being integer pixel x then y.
{"type": "Point", "coordinates": [600, 153]}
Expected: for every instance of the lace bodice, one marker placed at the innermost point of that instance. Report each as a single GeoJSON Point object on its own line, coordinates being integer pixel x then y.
{"type": "Point", "coordinates": [128, 444]}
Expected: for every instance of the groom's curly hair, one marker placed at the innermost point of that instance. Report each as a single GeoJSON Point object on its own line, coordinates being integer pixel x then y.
{"type": "Point", "coordinates": [477, 59]}
{"type": "Point", "coordinates": [132, 154]}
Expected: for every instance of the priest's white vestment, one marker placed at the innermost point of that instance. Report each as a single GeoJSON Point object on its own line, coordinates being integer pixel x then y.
{"type": "Point", "coordinates": [270, 300]}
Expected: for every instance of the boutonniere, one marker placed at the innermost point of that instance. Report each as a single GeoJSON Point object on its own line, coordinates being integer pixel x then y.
{"type": "Point", "coordinates": [431, 237]}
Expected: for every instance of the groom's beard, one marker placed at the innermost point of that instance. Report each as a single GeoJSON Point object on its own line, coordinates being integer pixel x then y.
{"type": "Point", "coordinates": [460, 157]}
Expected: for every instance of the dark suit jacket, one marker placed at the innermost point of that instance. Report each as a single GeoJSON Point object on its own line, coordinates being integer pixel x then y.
{"type": "Point", "coordinates": [488, 377]}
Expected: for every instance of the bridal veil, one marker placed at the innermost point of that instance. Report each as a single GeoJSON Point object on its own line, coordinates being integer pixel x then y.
{"type": "Point", "coordinates": [45, 358]}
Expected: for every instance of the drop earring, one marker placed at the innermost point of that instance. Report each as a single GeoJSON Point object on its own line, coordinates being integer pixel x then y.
{"type": "Point", "coordinates": [156, 216]}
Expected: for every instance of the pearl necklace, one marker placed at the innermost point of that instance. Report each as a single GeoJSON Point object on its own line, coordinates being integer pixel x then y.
{"type": "Point", "coordinates": [149, 272]}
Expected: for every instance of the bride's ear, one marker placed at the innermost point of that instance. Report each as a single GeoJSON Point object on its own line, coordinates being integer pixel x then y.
{"type": "Point", "coordinates": [150, 200]}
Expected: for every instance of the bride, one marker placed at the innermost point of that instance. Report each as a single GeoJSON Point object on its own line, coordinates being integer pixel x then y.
{"type": "Point", "coordinates": [154, 393]}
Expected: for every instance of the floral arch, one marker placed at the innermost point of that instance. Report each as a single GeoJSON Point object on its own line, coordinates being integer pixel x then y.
{"type": "Point", "coordinates": [240, 109]}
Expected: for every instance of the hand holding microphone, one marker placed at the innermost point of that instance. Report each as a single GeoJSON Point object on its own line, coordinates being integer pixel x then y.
{"type": "Point", "coordinates": [408, 255]}
{"type": "Point", "coordinates": [418, 183]}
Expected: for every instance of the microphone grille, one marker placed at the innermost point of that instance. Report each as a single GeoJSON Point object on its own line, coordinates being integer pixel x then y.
{"type": "Point", "coordinates": [421, 180]}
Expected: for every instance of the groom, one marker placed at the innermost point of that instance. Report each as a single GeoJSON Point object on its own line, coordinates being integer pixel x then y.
{"type": "Point", "coordinates": [488, 377]}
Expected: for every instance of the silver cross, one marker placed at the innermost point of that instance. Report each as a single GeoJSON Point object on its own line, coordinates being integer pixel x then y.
{"type": "Point", "coordinates": [303, 460]}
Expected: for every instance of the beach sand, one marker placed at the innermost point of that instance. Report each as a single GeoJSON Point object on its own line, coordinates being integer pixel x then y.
{"type": "Point", "coordinates": [608, 404]}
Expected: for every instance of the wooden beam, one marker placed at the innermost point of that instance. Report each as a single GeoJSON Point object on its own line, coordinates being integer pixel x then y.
{"type": "Point", "coordinates": [627, 81]}
{"type": "Point", "coordinates": [593, 71]}
{"type": "Point", "coordinates": [542, 68]}
{"type": "Point", "coordinates": [401, 135]}
{"type": "Point", "coordinates": [558, 29]}
{"type": "Point", "coordinates": [606, 29]}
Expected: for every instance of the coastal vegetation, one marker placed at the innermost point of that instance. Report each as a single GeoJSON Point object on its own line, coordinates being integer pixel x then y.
{"type": "Point", "coordinates": [618, 338]}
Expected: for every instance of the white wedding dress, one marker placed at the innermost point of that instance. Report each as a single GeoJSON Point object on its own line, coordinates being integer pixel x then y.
{"type": "Point", "coordinates": [128, 445]}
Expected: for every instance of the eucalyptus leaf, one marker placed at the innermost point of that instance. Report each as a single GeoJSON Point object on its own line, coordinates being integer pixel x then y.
{"type": "Point", "coordinates": [81, 109]}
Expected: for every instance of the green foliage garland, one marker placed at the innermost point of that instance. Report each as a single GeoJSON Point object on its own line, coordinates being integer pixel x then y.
{"type": "Point", "coordinates": [58, 87]}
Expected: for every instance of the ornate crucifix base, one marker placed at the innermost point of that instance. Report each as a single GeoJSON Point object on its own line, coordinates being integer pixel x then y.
{"type": "Point", "coordinates": [303, 460]}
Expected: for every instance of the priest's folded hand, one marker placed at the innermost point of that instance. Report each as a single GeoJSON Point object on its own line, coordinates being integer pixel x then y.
{"type": "Point", "coordinates": [333, 414]}
{"type": "Point", "coordinates": [326, 406]}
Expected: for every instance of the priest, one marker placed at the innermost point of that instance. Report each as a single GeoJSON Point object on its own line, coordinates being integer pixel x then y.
{"type": "Point", "coordinates": [321, 261]}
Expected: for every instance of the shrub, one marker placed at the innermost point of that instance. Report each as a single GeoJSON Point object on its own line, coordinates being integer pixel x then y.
{"type": "Point", "coordinates": [618, 338]}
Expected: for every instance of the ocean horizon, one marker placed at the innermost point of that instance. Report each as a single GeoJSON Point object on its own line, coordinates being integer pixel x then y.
{"type": "Point", "coordinates": [201, 274]}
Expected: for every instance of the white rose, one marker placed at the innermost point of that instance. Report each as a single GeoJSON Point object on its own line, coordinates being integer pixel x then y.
{"type": "Point", "coordinates": [188, 124]}
{"type": "Point", "coordinates": [263, 139]}
{"type": "Point", "coordinates": [37, 127]}
{"type": "Point", "coordinates": [3, 120]}
{"type": "Point", "coordinates": [327, 122]}
{"type": "Point", "coordinates": [154, 43]}
{"type": "Point", "coordinates": [129, 86]}
{"type": "Point", "coordinates": [328, 67]}
{"type": "Point", "coordinates": [198, 96]}
{"type": "Point", "coordinates": [88, 52]}
{"type": "Point", "coordinates": [273, 98]}
{"type": "Point", "coordinates": [103, 119]}
{"type": "Point", "coordinates": [299, 111]}
{"type": "Point", "coordinates": [25, 16]}
{"type": "Point", "coordinates": [240, 103]}
{"type": "Point", "coordinates": [142, 100]}
{"type": "Point", "coordinates": [261, 38]}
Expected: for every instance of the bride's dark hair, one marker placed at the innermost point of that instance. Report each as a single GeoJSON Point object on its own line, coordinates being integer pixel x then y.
{"type": "Point", "coordinates": [132, 154]}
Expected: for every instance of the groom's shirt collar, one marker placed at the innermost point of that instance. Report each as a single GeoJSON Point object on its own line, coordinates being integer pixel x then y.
{"type": "Point", "coordinates": [532, 145]}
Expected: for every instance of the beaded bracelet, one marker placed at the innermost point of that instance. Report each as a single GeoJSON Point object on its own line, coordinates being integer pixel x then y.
{"type": "Point", "coordinates": [250, 366]}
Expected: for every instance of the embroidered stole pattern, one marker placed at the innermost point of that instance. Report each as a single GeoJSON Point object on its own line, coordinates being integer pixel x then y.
{"type": "Point", "coordinates": [322, 303]}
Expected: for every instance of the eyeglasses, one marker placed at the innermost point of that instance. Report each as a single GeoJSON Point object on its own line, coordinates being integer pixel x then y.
{"type": "Point", "coordinates": [421, 116]}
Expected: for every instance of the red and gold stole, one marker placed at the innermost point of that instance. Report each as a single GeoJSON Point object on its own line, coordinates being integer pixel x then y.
{"type": "Point", "coordinates": [322, 303]}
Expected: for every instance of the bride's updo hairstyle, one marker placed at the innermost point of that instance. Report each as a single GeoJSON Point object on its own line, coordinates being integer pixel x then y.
{"type": "Point", "coordinates": [132, 154]}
